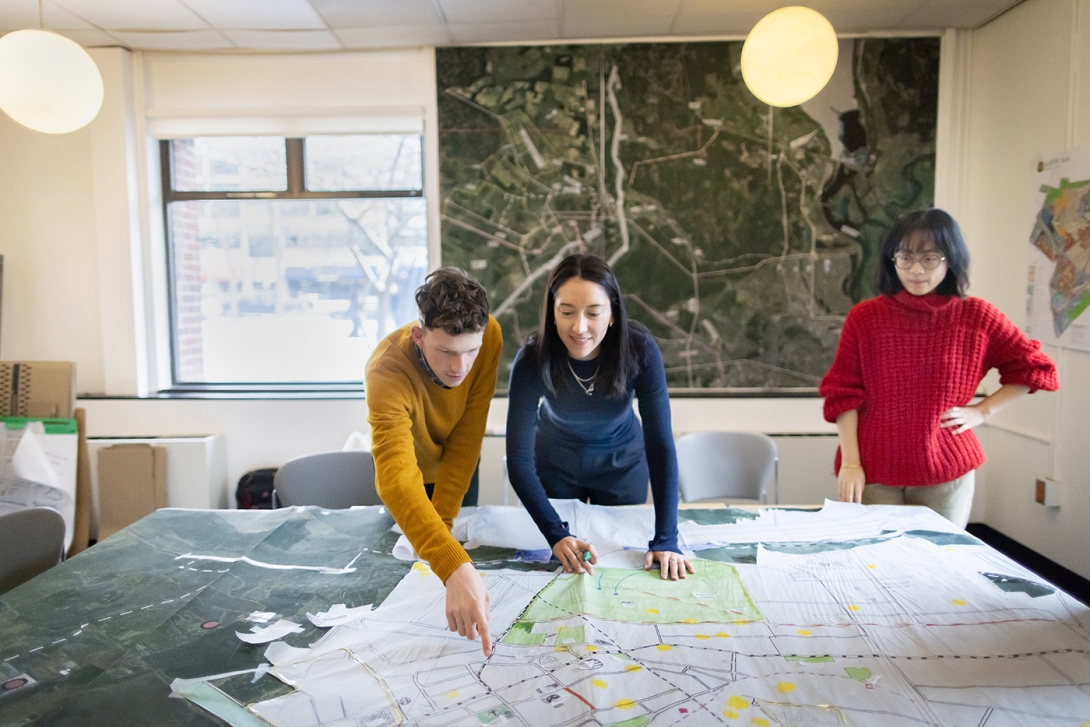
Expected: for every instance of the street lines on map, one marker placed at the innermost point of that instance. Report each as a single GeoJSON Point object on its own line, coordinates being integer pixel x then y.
{"type": "Point", "coordinates": [79, 631]}
{"type": "Point", "coordinates": [615, 152]}
{"type": "Point", "coordinates": [681, 155]}
{"type": "Point", "coordinates": [325, 570]}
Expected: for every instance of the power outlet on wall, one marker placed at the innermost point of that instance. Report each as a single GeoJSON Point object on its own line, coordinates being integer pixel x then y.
{"type": "Point", "coordinates": [1048, 492]}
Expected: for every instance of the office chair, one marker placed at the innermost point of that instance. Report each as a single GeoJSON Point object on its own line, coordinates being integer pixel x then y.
{"type": "Point", "coordinates": [328, 479]}
{"type": "Point", "coordinates": [31, 542]}
{"type": "Point", "coordinates": [724, 465]}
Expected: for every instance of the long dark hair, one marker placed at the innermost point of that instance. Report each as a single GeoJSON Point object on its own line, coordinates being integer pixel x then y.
{"type": "Point", "coordinates": [944, 231]}
{"type": "Point", "coordinates": [619, 361]}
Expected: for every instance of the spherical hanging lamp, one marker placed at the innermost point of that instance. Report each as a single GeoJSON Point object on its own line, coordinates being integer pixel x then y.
{"type": "Point", "coordinates": [789, 56]}
{"type": "Point", "coordinates": [47, 82]}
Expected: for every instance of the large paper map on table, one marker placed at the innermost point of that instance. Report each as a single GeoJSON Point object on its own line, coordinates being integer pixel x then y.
{"type": "Point", "coordinates": [893, 617]}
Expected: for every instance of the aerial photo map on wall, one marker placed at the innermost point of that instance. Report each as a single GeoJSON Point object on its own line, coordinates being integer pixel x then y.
{"type": "Point", "coordinates": [741, 234]}
{"type": "Point", "coordinates": [1058, 291]}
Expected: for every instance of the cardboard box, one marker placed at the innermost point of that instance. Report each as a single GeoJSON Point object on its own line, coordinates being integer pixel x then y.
{"type": "Point", "coordinates": [37, 389]}
{"type": "Point", "coordinates": [132, 483]}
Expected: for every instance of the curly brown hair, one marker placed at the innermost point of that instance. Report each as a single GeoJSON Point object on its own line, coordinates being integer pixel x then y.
{"type": "Point", "coordinates": [453, 300]}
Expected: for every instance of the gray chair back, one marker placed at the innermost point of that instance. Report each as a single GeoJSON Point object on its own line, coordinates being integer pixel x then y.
{"type": "Point", "coordinates": [31, 542]}
{"type": "Point", "coordinates": [328, 479]}
{"type": "Point", "coordinates": [726, 465]}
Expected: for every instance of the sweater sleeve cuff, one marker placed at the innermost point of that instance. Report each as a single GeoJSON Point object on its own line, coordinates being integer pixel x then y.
{"type": "Point", "coordinates": [835, 406]}
{"type": "Point", "coordinates": [664, 544]}
{"type": "Point", "coordinates": [446, 558]}
{"type": "Point", "coordinates": [555, 533]}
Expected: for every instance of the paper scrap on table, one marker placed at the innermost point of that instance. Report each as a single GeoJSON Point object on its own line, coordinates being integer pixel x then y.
{"type": "Point", "coordinates": [271, 633]}
{"type": "Point", "coordinates": [402, 549]}
{"type": "Point", "coordinates": [261, 617]}
{"type": "Point", "coordinates": [337, 615]}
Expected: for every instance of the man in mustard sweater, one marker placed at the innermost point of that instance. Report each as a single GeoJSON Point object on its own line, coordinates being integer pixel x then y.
{"type": "Point", "coordinates": [429, 385]}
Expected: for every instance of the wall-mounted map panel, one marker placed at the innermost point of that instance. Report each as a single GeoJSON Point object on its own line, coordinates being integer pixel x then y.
{"type": "Point", "coordinates": [741, 234]}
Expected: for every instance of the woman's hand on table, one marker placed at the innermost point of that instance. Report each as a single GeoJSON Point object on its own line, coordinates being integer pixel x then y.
{"type": "Point", "coordinates": [570, 552]}
{"type": "Point", "coordinates": [672, 565]}
{"type": "Point", "coordinates": [850, 481]}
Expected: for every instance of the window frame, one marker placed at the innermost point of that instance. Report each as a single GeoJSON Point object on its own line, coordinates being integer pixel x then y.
{"type": "Point", "coordinates": [295, 162]}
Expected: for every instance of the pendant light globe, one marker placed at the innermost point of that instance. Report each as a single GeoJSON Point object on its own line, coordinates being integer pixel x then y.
{"type": "Point", "coordinates": [48, 83]}
{"type": "Point", "coordinates": [789, 56]}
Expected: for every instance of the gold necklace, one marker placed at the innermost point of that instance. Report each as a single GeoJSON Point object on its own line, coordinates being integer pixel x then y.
{"type": "Point", "coordinates": [588, 390]}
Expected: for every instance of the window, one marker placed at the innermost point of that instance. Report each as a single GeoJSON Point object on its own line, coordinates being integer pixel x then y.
{"type": "Point", "coordinates": [290, 259]}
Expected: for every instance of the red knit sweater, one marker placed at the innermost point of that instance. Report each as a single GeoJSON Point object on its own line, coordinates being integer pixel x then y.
{"type": "Point", "coordinates": [903, 360]}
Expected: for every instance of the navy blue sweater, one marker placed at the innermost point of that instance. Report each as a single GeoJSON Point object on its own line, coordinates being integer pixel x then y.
{"type": "Point", "coordinates": [597, 420]}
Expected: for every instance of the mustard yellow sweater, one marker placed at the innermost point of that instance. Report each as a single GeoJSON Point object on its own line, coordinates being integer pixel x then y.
{"type": "Point", "coordinates": [421, 432]}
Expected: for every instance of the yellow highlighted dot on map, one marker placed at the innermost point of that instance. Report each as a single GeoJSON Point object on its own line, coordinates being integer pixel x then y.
{"type": "Point", "coordinates": [958, 602]}
{"type": "Point", "coordinates": [871, 565]}
{"type": "Point", "coordinates": [652, 610]}
{"type": "Point", "coordinates": [703, 637]}
{"type": "Point", "coordinates": [598, 683]}
{"type": "Point", "coordinates": [625, 704]}
{"type": "Point", "coordinates": [853, 607]}
{"type": "Point", "coordinates": [560, 648]}
{"type": "Point", "coordinates": [730, 715]}
{"type": "Point", "coordinates": [452, 694]}
{"type": "Point", "coordinates": [785, 687]}
{"type": "Point", "coordinates": [691, 621]}
{"type": "Point", "coordinates": [760, 721]}
{"type": "Point", "coordinates": [664, 647]}
{"type": "Point", "coordinates": [737, 702]}
{"type": "Point", "coordinates": [804, 632]}
{"type": "Point", "coordinates": [592, 647]}
{"type": "Point", "coordinates": [722, 635]}
{"type": "Point", "coordinates": [633, 667]}
{"type": "Point", "coordinates": [421, 568]}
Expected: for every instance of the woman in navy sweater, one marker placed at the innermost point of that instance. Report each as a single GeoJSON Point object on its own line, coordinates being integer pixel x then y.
{"type": "Point", "coordinates": [571, 430]}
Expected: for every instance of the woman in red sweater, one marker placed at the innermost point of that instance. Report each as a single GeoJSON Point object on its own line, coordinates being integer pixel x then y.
{"type": "Point", "coordinates": [907, 366]}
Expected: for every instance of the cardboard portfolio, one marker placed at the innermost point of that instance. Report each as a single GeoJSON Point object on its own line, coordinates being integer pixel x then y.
{"type": "Point", "coordinates": [132, 483]}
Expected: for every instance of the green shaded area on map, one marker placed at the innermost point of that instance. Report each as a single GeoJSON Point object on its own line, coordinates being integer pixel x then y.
{"type": "Point", "coordinates": [741, 238]}
{"type": "Point", "coordinates": [810, 659]}
{"type": "Point", "coordinates": [860, 674]}
{"type": "Point", "coordinates": [1062, 232]}
{"type": "Point", "coordinates": [714, 593]}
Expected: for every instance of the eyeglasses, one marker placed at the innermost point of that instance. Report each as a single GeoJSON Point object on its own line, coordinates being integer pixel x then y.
{"type": "Point", "coordinates": [930, 260]}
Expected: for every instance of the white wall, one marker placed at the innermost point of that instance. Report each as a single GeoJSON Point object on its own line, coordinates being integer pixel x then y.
{"type": "Point", "coordinates": [1028, 95]}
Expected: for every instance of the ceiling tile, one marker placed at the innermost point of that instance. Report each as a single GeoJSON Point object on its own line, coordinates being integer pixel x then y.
{"type": "Point", "coordinates": [174, 40]}
{"type": "Point", "coordinates": [57, 18]}
{"type": "Point", "coordinates": [465, 12]}
{"type": "Point", "coordinates": [357, 14]}
{"type": "Point", "coordinates": [866, 20]}
{"type": "Point", "coordinates": [634, 25]}
{"type": "Point", "coordinates": [734, 7]}
{"type": "Point", "coordinates": [533, 30]}
{"type": "Point", "coordinates": [283, 39]}
{"type": "Point", "coordinates": [392, 36]}
{"type": "Point", "coordinates": [90, 38]}
{"type": "Point", "coordinates": [957, 15]}
{"type": "Point", "coordinates": [18, 14]}
{"type": "Point", "coordinates": [618, 11]}
{"type": "Point", "coordinates": [258, 14]}
{"type": "Point", "coordinates": [721, 24]}
{"type": "Point", "coordinates": [135, 14]}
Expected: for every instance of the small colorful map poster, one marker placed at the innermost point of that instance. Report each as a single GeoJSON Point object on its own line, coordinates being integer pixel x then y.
{"type": "Point", "coordinates": [1058, 287]}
